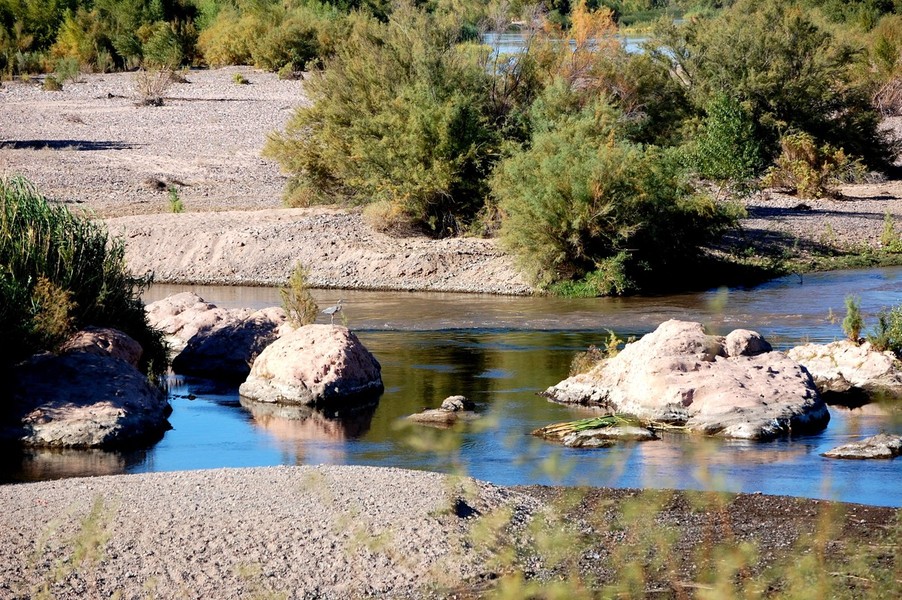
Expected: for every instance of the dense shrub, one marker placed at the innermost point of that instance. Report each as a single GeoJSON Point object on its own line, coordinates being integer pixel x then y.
{"type": "Point", "coordinates": [888, 333]}
{"type": "Point", "coordinates": [582, 200]}
{"type": "Point", "coordinates": [727, 147]}
{"type": "Point", "coordinates": [401, 114]}
{"type": "Point", "coordinates": [789, 74]}
{"type": "Point", "coordinates": [809, 170]}
{"type": "Point", "coordinates": [272, 35]}
{"type": "Point", "coordinates": [60, 272]}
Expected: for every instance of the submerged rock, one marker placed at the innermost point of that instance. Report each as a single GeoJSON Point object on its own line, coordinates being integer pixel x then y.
{"type": "Point", "coordinates": [82, 400]}
{"type": "Point", "coordinates": [848, 373]}
{"type": "Point", "coordinates": [314, 365]}
{"type": "Point", "coordinates": [580, 434]}
{"type": "Point", "coordinates": [215, 342]}
{"type": "Point", "coordinates": [453, 410]}
{"type": "Point", "coordinates": [878, 446]}
{"type": "Point", "coordinates": [679, 375]}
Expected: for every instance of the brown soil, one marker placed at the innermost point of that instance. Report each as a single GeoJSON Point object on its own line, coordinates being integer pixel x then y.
{"type": "Point", "coordinates": [91, 146]}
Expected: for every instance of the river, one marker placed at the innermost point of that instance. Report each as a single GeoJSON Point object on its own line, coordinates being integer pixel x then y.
{"type": "Point", "coordinates": [500, 352]}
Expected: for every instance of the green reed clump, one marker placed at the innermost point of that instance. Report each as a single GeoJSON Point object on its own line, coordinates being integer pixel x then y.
{"type": "Point", "coordinates": [60, 272]}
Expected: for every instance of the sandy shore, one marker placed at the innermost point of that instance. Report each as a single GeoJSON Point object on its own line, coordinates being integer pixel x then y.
{"type": "Point", "coordinates": [91, 147]}
{"type": "Point", "coordinates": [350, 532]}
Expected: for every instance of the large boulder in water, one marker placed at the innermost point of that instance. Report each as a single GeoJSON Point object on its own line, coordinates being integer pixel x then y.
{"type": "Point", "coordinates": [82, 399]}
{"type": "Point", "coordinates": [315, 365]}
{"type": "Point", "coordinates": [681, 376]}
{"type": "Point", "coordinates": [215, 342]}
{"type": "Point", "coordinates": [849, 373]}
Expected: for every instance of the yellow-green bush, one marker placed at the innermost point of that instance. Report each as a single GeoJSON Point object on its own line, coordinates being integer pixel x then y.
{"type": "Point", "coordinates": [59, 272]}
{"type": "Point", "coordinates": [809, 170]}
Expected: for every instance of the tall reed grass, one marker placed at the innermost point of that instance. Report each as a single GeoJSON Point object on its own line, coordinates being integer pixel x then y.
{"type": "Point", "coordinates": [50, 257]}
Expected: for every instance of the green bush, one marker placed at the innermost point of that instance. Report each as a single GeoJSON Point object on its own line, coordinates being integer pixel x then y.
{"type": "Point", "coordinates": [728, 147]}
{"type": "Point", "coordinates": [401, 114]}
{"type": "Point", "coordinates": [297, 301]}
{"type": "Point", "coordinates": [853, 322]}
{"type": "Point", "coordinates": [788, 73]}
{"type": "Point", "coordinates": [581, 201]}
{"type": "Point", "coordinates": [163, 47]}
{"type": "Point", "coordinates": [60, 272]}
{"type": "Point", "coordinates": [888, 333]}
{"type": "Point", "coordinates": [271, 35]}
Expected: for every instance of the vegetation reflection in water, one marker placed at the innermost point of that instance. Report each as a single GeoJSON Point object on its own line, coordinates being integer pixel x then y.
{"type": "Point", "coordinates": [503, 368]}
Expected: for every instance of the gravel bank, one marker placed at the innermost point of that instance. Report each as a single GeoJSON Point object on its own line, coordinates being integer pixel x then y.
{"type": "Point", "coordinates": [90, 146]}
{"type": "Point", "coordinates": [307, 532]}
{"type": "Point", "coordinates": [339, 250]}
{"type": "Point", "coordinates": [353, 532]}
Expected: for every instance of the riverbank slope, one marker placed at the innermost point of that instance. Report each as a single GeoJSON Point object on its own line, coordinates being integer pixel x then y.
{"type": "Point", "coordinates": [91, 147]}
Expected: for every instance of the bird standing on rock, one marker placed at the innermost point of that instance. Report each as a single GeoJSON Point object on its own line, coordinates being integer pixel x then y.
{"type": "Point", "coordinates": [332, 311]}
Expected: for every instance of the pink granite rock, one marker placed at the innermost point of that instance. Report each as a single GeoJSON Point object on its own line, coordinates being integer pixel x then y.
{"type": "Point", "coordinates": [104, 341]}
{"type": "Point", "coordinates": [680, 375]}
{"type": "Point", "coordinates": [314, 365]}
{"type": "Point", "coordinates": [82, 400]}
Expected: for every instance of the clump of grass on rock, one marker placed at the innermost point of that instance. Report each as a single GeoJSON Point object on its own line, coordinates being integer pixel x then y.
{"type": "Point", "coordinates": [297, 301]}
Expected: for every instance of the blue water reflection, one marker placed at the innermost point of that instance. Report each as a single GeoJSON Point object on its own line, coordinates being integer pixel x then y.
{"type": "Point", "coordinates": [501, 352]}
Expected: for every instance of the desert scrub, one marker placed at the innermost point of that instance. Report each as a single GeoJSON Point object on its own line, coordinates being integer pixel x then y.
{"type": "Point", "coordinates": [151, 85]}
{"type": "Point", "coordinates": [853, 322]}
{"type": "Point", "coordinates": [297, 301]}
{"type": "Point", "coordinates": [239, 79]}
{"type": "Point", "coordinates": [402, 114]}
{"type": "Point", "coordinates": [584, 202]}
{"type": "Point", "coordinates": [60, 272]}
{"type": "Point", "coordinates": [809, 170]}
{"type": "Point", "coordinates": [52, 84]}
{"type": "Point", "coordinates": [175, 202]}
{"type": "Point", "coordinates": [887, 335]}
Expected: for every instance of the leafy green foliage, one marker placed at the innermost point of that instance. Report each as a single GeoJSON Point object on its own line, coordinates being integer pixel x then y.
{"type": "Point", "coordinates": [581, 198]}
{"type": "Point", "coordinates": [888, 333]}
{"type": "Point", "coordinates": [272, 35]}
{"type": "Point", "coordinates": [728, 147]}
{"type": "Point", "coordinates": [60, 272]}
{"type": "Point", "coordinates": [853, 322]}
{"type": "Point", "coordinates": [786, 72]}
{"type": "Point", "coordinates": [401, 115]}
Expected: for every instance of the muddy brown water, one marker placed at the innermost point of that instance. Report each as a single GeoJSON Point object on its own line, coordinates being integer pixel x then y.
{"type": "Point", "coordinates": [500, 352]}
